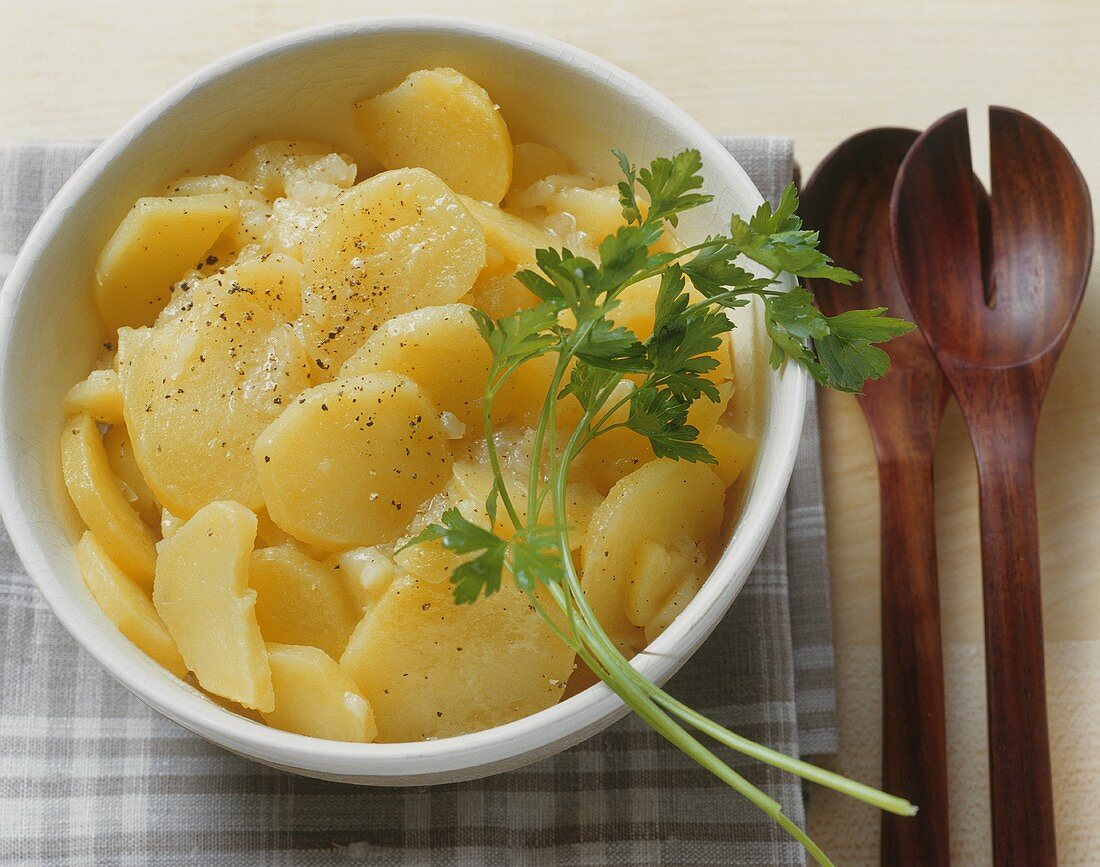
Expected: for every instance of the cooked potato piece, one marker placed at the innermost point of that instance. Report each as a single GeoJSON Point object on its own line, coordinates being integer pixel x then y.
{"type": "Point", "coordinates": [366, 573]}
{"type": "Point", "coordinates": [299, 601]}
{"type": "Point", "coordinates": [432, 669]}
{"type": "Point", "coordinates": [500, 295]}
{"type": "Point", "coordinates": [610, 457]}
{"type": "Point", "coordinates": [273, 166]}
{"type": "Point", "coordinates": [98, 395]}
{"type": "Point", "coordinates": [442, 121]}
{"type": "Point", "coordinates": [349, 462]}
{"type": "Point", "coordinates": [514, 238]}
{"type": "Point", "coordinates": [733, 450]}
{"type": "Point", "coordinates": [120, 456]}
{"type": "Point", "coordinates": [272, 280]}
{"type": "Point", "coordinates": [598, 213]}
{"type": "Point", "coordinates": [396, 242]}
{"type": "Point", "coordinates": [198, 389]}
{"type": "Point", "coordinates": [315, 697]}
{"type": "Point", "coordinates": [657, 528]}
{"type": "Point", "coordinates": [532, 162]}
{"type": "Point", "coordinates": [99, 499]}
{"type": "Point", "coordinates": [205, 185]}
{"type": "Point", "coordinates": [440, 349]}
{"type": "Point", "coordinates": [683, 594]}
{"type": "Point", "coordinates": [158, 241]}
{"type": "Point", "coordinates": [201, 593]}
{"type": "Point", "coordinates": [705, 413]}
{"type": "Point", "coordinates": [126, 605]}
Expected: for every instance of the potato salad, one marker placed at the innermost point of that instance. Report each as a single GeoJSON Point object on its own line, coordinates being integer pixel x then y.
{"type": "Point", "coordinates": [293, 386]}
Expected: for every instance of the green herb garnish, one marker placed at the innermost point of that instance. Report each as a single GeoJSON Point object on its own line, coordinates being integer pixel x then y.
{"type": "Point", "coordinates": [594, 356]}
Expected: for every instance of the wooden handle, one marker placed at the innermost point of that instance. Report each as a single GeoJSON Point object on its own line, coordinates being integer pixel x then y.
{"type": "Point", "coordinates": [914, 759]}
{"type": "Point", "coordinates": [1019, 754]}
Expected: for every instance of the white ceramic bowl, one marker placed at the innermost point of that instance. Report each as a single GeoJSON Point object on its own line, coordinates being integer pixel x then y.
{"type": "Point", "coordinates": [303, 85]}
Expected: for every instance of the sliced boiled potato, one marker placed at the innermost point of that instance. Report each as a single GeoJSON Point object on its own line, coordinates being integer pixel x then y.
{"type": "Point", "coordinates": [610, 457]}
{"type": "Point", "coordinates": [705, 413]}
{"type": "Point", "coordinates": [98, 497]}
{"type": "Point", "coordinates": [532, 162]}
{"type": "Point", "coordinates": [657, 528]}
{"type": "Point", "coordinates": [432, 669]}
{"type": "Point", "coordinates": [500, 295]}
{"type": "Point", "coordinates": [201, 593]}
{"type": "Point", "coordinates": [197, 391]}
{"type": "Point", "coordinates": [440, 349]}
{"type": "Point", "coordinates": [120, 456]}
{"type": "Point", "coordinates": [157, 242]}
{"type": "Point", "coordinates": [315, 697]}
{"type": "Point", "coordinates": [442, 121]}
{"type": "Point", "coordinates": [366, 572]}
{"type": "Point", "coordinates": [598, 213]}
{"type": "Point", "coordinates": [676, 602]}
{"type": "Point", "coordinates": [204, 185]}
{"type": "Point", "coordinates": [98, 395]}
{"type": "Point", "coordinates": [513, 237]}
{"type": "Point", "coordinates": [396, 242]}
{"type": "Point", "coordinates": [299, 601]}
{"type": "Point", "coordinates": [734, 452]}
{"type": "Point", "coordinates": [273, 165]}
{"type": "Point", "coordinates": [126, 605]}
{"type": "Point", "coordinates": [272, 280]}
{"type": "Point", "coordinates": [349, 462]}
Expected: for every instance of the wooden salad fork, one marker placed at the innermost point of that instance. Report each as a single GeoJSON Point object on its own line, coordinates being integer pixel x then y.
{"type": "Point", "coordinates": [848, 201]}
{"type": "Point", "coordinates": [995, 291]}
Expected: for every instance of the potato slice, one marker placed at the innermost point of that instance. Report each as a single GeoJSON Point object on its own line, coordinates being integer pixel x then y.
{"type": "Point", "coordinates": [396, 242]}
{"type": "Point", "coordinates": [98, 497]}
{"type": "Point", "coordinates": [299, 601]}
{"type": "Point", "coordinates": [513, 237]}
{"type": "Point", "coordinates": [440, 349]}
{"type": "Point", "coordinates": [366, 572]}
{"type": "Point", "coordinates": [157, 242]}
{"type": "Point", "coordinates": [198, 390]}
{"type": "Point", "coordinates": [349, 462]}
{"type": "Point", "coordinates": [98, 395]}
{"type": "Point", "coordinates": [656, 529]}
{"type": "Point", "coordinates": [678, 600]}
{"type": "Point", "coordinates": [442, 121]}
{"type": "Point", "coordinates": [273, 166]}
{"type": "Point", "coordinates": [126, 605]}
{"type": "Point", "coordinates": [272, 280]}
{"type": "Point", "coordinates": [315, 697]}
{"type": "Point", "coordinates": [432, 669]}
{"type": "Point", "coordinates": [532, 162]}
{"type": "Point", "coordinates": [120, 456]}
{"type": "Point", "coordinates": [500, 295]}
{"type": "Point", "coordinates": [610, 457]}
{"type": "Point", "coordinates": [733, 450]}
{"type": "Point", "coordinates": [201, 593]}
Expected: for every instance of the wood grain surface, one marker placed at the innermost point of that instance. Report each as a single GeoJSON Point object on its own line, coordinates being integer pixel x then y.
{"type": "Point", "coordinates": [817, 71]}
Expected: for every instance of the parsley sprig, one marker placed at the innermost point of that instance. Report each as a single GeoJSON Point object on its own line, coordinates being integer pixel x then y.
{"type": "Point", "coordinates": [668, 373]}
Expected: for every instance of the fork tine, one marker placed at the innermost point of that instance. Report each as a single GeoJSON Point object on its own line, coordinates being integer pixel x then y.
{"type": "Point", "coordinates": [1033, 176]}
{"type": "Point", "coordinates": [936, 189]}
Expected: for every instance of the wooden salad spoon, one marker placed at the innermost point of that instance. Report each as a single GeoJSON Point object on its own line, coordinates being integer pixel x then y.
{"type": "Point", "coordinates": [848, 201]}
{"type": "Point", "coordinates": [996, 294]}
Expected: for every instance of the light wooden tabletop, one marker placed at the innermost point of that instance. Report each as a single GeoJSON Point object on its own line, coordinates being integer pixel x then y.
{"type": "Point", "coordinates": [818, 72]}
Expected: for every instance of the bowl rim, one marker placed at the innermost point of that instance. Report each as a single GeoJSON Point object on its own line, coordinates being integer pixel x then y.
{"type": "Point", "coordinates": [513, 743]}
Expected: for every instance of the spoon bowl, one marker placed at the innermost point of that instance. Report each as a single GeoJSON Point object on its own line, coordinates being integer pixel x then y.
{"type": "Point", "coordinates": [1038, 222]}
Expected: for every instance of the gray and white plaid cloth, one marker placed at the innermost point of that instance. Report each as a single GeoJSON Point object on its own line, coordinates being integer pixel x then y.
{"type": "Point", "coordinates": [90, 775]}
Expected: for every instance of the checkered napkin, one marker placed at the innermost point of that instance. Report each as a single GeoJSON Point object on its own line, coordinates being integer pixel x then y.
{"type": "Point", "coordinates": [90, 775]}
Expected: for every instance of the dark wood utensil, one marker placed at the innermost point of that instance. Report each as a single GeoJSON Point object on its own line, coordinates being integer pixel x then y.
{"type": "Point", "coordinates": [996, 297]}
{"type": "Point", "coordinates": [848, 201]}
